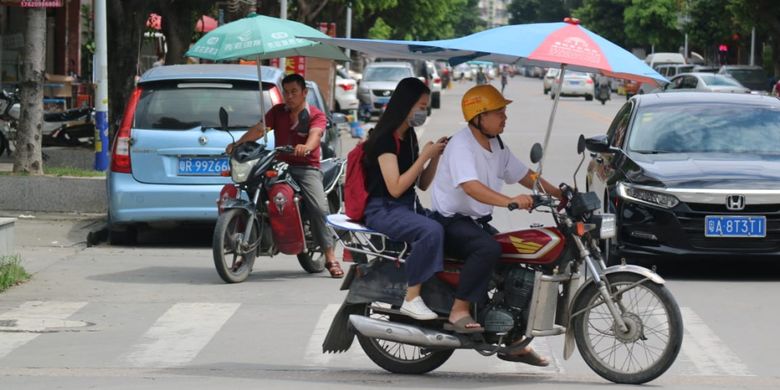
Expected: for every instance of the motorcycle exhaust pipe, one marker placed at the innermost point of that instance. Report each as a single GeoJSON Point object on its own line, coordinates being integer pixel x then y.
{"type": "Point", "coordinates": [402, 333]}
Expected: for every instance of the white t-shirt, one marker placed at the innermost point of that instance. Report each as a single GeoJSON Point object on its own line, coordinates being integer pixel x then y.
{"type": "Point", "coordinates": [465, 160]}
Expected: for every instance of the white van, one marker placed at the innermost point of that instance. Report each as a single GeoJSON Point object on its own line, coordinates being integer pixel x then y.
{"type": "Point", "coordinates": [656, 59]}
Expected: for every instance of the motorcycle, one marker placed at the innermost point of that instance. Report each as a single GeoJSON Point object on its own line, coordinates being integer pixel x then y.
{"type": "Point", "coordinates": [260, 213]}
{"type": "Point", "coordinates": [549, 281]}
{"type": "Point", "coordinates": [69, 128]}
{"type": "Point", "coordinates": [603, 93]}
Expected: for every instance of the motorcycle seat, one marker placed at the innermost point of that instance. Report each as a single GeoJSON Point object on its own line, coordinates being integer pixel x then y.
{"type": "Point", "coordinates": [377, 242]}
{"type": "Point", "coordinates": [332, 169]}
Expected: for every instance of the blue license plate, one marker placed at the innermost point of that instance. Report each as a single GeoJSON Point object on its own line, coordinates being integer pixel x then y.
{"type": "Point", "coordinates": [734, 226]}
{"type": "Point", "coordinates": [382, 100]}
{"type": "Point", "coordinates": [203, 166]}
{"type": "Point", "coordinates": [574, 82]}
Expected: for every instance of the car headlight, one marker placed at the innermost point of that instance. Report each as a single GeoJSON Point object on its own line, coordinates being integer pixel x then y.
{"type": "Point", "coordinates": [607, 225]}
{"type": "Point", "coordinates": [646, 196]}
{"type": "Point", "coordinates": [240, 171]}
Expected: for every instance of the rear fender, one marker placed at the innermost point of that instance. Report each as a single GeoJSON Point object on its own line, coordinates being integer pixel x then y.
{"type": "Point", "coordinates": [568, 345]}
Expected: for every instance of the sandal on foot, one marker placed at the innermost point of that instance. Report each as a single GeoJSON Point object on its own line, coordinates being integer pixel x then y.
{"type": "Point", "coordinates": [531, 358]}
{"type": "Point", "coordinates": [335, 269]}
{"type": "Point", "coordinates": [460, 326]}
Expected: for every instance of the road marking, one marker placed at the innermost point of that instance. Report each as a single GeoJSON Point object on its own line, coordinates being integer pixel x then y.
{"type": "Point", "coordinates": [179, 334]}
{"type": "Point", "coordinates": [314, 355]}
{"type": "Point", "coordinates": [707, 351]}
{"type": "Point", "coordinates": [34, 311]}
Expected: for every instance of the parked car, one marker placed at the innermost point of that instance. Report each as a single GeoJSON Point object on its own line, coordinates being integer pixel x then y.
{"type": "Point", "coordinates": [705, 69]}
{"type": "Point", "coordinates": [753, 77]}
{"type": "Point", "coordinates": [704, 82]}
{"type": "Point", "coordinates": [575, 84]}
{"type": "Point", "coordinates": [463, 71]}
{"type": "Point", "coordinates": [379, 81]}
{"type": "Point", "coordinates": [433, 81]}
{"type": "Point", "coordinates": [691, 175]}
{"type": "Point", "coordinates": [671, 70]}
{"type": "Point", "coordinates": [168, 154]}
{"type": "Point", "coordinates": [345, 95]}
{"type": "Point", "coordinates": [660, 58]}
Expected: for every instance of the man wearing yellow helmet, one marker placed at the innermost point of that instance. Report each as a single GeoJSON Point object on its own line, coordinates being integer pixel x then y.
{"type": "Point", "coordinates": [467, 186]}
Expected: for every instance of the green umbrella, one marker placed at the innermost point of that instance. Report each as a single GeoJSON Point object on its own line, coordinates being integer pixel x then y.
{"type": "Point", "coordinates": [260, 37]}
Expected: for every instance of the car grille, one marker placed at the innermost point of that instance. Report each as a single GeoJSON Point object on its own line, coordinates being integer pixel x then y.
{"type": "Point", "coordinates": [381, 92]}
{"type": "Point", "coordinates": [692, 223]}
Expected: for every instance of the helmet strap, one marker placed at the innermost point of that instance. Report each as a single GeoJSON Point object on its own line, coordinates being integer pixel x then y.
{"type": "Point", "coordinates": [478, 126]}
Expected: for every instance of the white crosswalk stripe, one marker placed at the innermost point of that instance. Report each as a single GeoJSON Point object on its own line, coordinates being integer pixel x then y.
{"type": "Point", "coordinates": [706, 351]}
{"type": "Point", "coordinates": [179, 334]}
{"type": "Point", "coordinates": [33, 311]}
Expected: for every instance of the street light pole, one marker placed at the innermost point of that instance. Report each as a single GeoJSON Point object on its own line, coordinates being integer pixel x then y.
{"type": "Point", "coordinates": [753, 47]}
{"type": "Point", "coordinates": [348, 33]}
{"type": "Point", "coordinates": [283, 15]}
{"type": "Point", "coordinates": [101, 98]}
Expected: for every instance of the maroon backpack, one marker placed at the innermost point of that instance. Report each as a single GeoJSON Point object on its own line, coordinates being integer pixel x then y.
{"type": "Point", "coordinates": [355, 192]}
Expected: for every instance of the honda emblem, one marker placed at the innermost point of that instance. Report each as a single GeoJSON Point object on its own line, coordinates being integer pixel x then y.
{"type": "Point", "coordinates": [735, 202]}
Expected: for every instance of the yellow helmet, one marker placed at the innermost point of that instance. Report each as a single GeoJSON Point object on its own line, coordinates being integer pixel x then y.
{"type": "Point", "coordinates": [482, 98]}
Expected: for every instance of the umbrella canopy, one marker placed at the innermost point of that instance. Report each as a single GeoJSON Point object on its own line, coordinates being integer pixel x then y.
{"type": "Point", "coordinates": [262, 37]}
{"type": "Point", "coordinates": [542, 44]}
{"type": "Point", "coordinates": [205, 24]}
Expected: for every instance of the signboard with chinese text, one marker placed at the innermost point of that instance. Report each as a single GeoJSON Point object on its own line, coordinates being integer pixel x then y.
{"type": "Point", "coordinates": [32, 3]}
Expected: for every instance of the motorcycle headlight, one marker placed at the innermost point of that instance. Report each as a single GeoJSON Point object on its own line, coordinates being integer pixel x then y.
{"type": "Point", "coordinates": [240, 171]}
{"type": "Point", "coordinates": [646, 196]}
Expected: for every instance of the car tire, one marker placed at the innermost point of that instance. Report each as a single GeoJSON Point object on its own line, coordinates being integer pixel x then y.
{"type": "Point", "coordinates": [546, 91]}
{"type": "Point", "coordinates": [127, 235]}
{"type": "Point", "coordinates": [588, 98]}
{"type": "Point", "coordinates": [552, 96]}
{"type": "Point", "coordinates": [436, 100]}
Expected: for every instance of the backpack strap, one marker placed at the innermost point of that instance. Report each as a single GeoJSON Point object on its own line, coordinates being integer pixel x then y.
{"type": "Point", "coordinates": [500, 142]}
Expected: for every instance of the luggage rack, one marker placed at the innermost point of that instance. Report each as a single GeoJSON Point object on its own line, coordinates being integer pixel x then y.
{"type": "Point", "coordinates": [361, 237]}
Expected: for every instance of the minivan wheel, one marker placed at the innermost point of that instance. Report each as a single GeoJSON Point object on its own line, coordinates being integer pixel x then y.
{"type": "Point", "coordinates": [126, 235]}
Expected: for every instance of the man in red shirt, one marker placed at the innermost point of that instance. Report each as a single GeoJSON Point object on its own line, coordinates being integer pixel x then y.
{"type": "Point", "coordinates": [298, 124]}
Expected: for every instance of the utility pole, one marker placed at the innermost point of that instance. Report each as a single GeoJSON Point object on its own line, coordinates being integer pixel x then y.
{"type": "Point", "coordinates": [348, 33]}
{"type": "Point", "coordinates": [283, 15]}
{"type": "Point", "coordinates": [753, 47]}
{"type": "Point", "coordinates": [101, 99]}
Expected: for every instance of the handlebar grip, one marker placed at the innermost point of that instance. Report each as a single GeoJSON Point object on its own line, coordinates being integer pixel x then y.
{"type": "Point", "coordinates": [513, 206]}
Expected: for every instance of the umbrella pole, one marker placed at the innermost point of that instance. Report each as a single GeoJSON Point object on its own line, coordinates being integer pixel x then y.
{"type": "Point", "coordinates": [262, 100]}
{"type": "Point", "coordinates": [550, 123]}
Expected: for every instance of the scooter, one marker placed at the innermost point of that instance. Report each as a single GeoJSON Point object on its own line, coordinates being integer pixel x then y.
{"type": "Point", "coordinates": [549, 281]}
{"type": "Point", "coordinates": [261, 213]}
{"type": "Point", "coordinates": [69, 128]}
{"type": "Point", "coordinates": [603, 93]}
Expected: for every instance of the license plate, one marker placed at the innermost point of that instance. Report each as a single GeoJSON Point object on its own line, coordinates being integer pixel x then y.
{"type": "Point", "coordinates": [574, 82]}
{"type": "Point", "coordinates": [382, 100]}
{"type": "Point", "coordinates": [203, 166]}
{"type": "Point", "coordinates": [734, 226]}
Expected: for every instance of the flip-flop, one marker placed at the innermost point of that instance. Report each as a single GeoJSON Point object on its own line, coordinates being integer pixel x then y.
{"type": "Point", "coordinates": [335, 269]}
{"type": "Point", "coordinates": [531, 358]}
{"type": "Point", "coordinates": [459, 326]}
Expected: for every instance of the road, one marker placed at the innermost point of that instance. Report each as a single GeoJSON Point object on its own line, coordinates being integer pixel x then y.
{"type": "Point", "coordinates": [158, 316]}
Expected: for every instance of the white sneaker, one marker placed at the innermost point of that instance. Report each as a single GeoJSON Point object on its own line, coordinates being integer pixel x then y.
{"type": "Point", "coordinates": [416, 309]}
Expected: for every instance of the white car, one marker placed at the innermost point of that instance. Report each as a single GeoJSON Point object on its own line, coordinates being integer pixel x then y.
{"type": "Point", "coordinates": [434, 84]}
{"type": "Point", "coordinates": [346, 94]}
{"type": "Point", "coordinates": [550, 78]}
{"type": "Point", "coordinates": [462, 71]}
{"type": "Point", "coordinates": [575, 84]}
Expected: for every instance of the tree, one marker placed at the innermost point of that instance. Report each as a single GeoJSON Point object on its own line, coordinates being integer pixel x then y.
{"type": "Point", "coordinates": [764, 15]}
{"type": "Point", "coordinates": [178, 24]}
{"type": "Point", "coordinates": [605, 17]}
{"type": "Point", "coordinates": [709, 25]}
{"type": "Point", "coordinates": [537, 11]}
{"type": "Point", "coordinates": [654, 22]}
{"type": "Point", "coordinates": [28, 157]}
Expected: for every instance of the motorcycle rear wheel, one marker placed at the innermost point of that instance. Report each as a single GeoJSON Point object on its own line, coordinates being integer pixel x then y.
{"type": "Point", "coordinates": [652, 342]}
{"type": "Point", "coordinates": [232, 264]}
{"type": "Point", "coordinates": [400, 358]}
{"type": "Point", "coordinates": [312, 260]}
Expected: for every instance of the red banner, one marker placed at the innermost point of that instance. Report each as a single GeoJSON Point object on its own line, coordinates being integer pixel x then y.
{"type": "Point", "coordinates": [295, 64]}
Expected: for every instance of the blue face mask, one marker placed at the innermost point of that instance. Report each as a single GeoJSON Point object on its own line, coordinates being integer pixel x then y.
{"type": "Point", "coordinates": [418, 118]}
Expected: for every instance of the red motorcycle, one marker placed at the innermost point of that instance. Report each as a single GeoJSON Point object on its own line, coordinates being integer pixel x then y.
{"type": "Point", "coordinates": [261, 213]}
{"type": "Point", "coordinates": [549, 281]}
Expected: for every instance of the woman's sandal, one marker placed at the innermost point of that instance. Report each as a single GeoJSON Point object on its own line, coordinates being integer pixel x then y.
{"type": "Point", "coordinates": [530, 357]}
{"type": "Point", "coordinates": [459, 326]}
{"type": "Point", "coordinates": [335, 269]}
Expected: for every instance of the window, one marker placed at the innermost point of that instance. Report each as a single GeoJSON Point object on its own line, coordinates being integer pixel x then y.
{"type": "Point", "coordinates": [386, 73]}
{"type": "Point", "coordinates": [617, 130]}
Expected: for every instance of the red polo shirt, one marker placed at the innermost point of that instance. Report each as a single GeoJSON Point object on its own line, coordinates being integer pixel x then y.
{"type": "Point", "coordinates": [278, 118]}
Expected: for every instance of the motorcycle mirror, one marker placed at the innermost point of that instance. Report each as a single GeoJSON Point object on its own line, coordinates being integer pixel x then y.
{"type": "Point", "coordinates": [580, 150]}
{"type": "Point", "coordinates": [536, 153]}
{"type": "Point", "coordinates": [581, 144]}
{"type": "Point", "coordinates": [223, 118]}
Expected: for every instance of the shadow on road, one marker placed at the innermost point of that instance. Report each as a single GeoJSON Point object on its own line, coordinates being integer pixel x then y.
{"type": "Point", "coordinates": [718, 269]}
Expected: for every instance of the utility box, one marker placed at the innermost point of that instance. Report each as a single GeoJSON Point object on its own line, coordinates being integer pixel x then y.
{"type": "Point", "coordinates": [322, 72]}
{"type": "Point", "coordinates": [7, 236]}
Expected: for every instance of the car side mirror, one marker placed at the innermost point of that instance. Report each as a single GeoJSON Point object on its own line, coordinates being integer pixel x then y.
{"type": "Point", "coordinates": [598, 144]}
{"type": "Point", "coordinates": [536, 153]}
{"type": "Point", "coordinates": [223, 118]}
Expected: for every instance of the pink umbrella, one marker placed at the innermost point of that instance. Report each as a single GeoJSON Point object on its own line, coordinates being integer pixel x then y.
{"type": "Point", "coordinates": [205, 24]}
{"type": "Point", "coordinates": [154, 21]}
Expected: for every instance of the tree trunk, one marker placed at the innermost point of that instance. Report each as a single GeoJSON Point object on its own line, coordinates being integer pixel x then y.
{"type": "Point", "coordinates": [28, 157]}
{"type": "Point", "coordinates": [126, 22]}
{"type": "Point", "coordinates": [177, 28]}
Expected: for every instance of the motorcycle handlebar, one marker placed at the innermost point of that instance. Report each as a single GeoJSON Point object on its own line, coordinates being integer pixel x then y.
{"type": "Point", "coordinates": [538, 200]}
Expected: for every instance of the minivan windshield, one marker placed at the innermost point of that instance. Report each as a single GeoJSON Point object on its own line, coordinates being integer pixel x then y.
{"type": "Point", "coordinates": [386, 73]}
{"type": "Point", "coordinates": [182, 106]}
{"type": "Point", "coordinates": [706, 128]}
{"type": "Point", "coordinates": [750, 76]}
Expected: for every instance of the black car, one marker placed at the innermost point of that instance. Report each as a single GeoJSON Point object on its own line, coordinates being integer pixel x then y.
{"type": "Point", "coordinates": [691, 175]}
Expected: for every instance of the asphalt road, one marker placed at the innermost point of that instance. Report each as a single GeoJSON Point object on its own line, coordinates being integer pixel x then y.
{"type": "Point", "coordinates": [157, 315]}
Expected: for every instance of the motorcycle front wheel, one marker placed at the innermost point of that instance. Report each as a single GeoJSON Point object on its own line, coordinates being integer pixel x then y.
{"type": "Point", "coordinates": [397, 357]}
{"type": "Point", "coordinates": [233, 263]}
{"type": "Point", "coordinates": [654, 335]}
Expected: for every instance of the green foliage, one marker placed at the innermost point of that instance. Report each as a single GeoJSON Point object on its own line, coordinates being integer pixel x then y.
{"type": "Point", "coordinates": [411, 19]}
{"type": "Point", "coordinates": [70, 171]}
{"type": "Point", "coordinates": [380, 30]}
{"type": "Point", "coordinates": [604, 17]}
{"type": "Point", "coordinates": [654, 22]}
{"type": "Point", "coordinates": [709, 25]}
{"type": "Point", "coordinates": [11, 272]}
{"type": "Point", "coordinates": [537, 11]}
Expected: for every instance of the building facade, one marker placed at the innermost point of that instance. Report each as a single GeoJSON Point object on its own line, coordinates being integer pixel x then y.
{"type": "Point", "coordinates": [494, 12]}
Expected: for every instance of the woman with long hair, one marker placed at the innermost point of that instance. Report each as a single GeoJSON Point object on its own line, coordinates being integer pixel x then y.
{"type": "Point", "coordinates": [393, 165]}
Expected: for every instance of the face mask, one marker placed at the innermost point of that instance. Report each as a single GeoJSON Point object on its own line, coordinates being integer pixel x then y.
{"type": "Point", "coordinates": [418, 118]}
